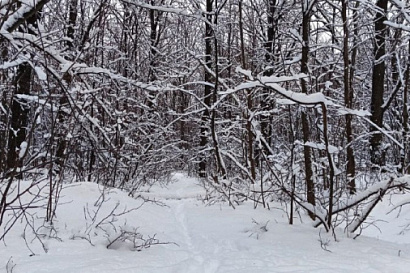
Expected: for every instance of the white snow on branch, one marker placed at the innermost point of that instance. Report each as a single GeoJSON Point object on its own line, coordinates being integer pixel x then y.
{"type": "Point", "coordinates": [23, 148]}
{"type": "Point", "coordinates": [11, 64]}
{"type": "Point", "coordinates": [272, 82]}
{"type": "Point", "coordinates": [300, 98]}
{"type": "Point", "coordinates": [321, 146]}
{"type": "Point", "coordinates": [295, 59]}
{"type": "Point", "coordinates": [399, 26]}
{"type": "Point", "coordinates": [359, 113]}
{"type": "Point", "coordinates": [372, 190]}
{"type": "Point", "coordinates": [295, 33]}
{"type": "Point", "coordinates": [164, 8]}
{"type": "Point", "coordinates": [42, 76]}
{"type": "Point", "coordinates": [247, 73]}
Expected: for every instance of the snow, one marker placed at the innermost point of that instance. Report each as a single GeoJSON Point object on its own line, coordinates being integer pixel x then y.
{"type": "Point", "coordinates": [293, 60]}
{"type": "Point", "coordinates": [359, 113]}
{"type": "Point", "coordinates": [23, 148]}
{"type": "Point", "coordinates": [247, 73]}
{"type": "Point", "coordinates": [320, 146]}
{"type": "Point", "coordinates": [162, 8]}
{"type": "Point", "coordinates": [389, 224]}
{"type": "Point", "coordinates": [295, 33]}
{"type": "Point", "coordinates": [40, 73]}
{"type": "Point", "coordinates": [192, 236]}
{"type": "Point", "coordinates": [14, 63]}
{"type": "Point", "coordinates": [273, 83]}
{"type": "Point", "coordinates": [395, 25]}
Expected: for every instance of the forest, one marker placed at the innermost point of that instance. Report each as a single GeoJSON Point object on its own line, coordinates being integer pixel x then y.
{"type": "Point", "coordinates": [299, 102]}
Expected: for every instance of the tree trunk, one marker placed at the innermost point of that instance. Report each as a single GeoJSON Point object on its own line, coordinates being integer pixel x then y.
{"type": "Point", "coordinates": [220, 166]}
{"type": "Point", "coordinates": [63, 103]}
{"type": "Point", "coordinates": [377, 153]}
{"type": "Point", "coordinates": [310, 186]}
{"type": "Point", "coordinates": [19, 106]}
{"type": "Point", "coordinates": [405, 114]}
{"type": "Point", "coordinates": [19, 116]}
{"type": "Point", "coordinates": [72, 20]}
{"type": "Point", "coordinates": [154, 38]}
{"type": "Point", "coordinates": [204, 130]}
{"type": "Point", "coordinates": [4, 105]}
{"type": "Point", "coordinates": [348, 99]}
{"type": "Point", "coordinates": [251, 158]}
{"type": "Point", "coordinates": [266, 104]}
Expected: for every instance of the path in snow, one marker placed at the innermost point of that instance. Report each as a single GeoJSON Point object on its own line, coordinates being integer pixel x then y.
{"type": "Point", "coordinates": [180, 197]}
{"type": "Point", "coordinates": [200, 260]}
{"type": "Point", "coordinates": [208, 239]}
{"type": "Point", "coordinates": [216, 239]}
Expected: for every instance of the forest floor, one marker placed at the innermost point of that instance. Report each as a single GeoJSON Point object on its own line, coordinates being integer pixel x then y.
{"type": "Point", "coordinates": [189, 236]}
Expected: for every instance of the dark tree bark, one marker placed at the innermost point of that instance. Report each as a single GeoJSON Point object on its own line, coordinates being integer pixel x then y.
{"type": "Point", "coordinates": [220, 166]}
{"type": "Point", "coordinates": [204, 130]}
{"type": "Point", "coordinates": [250, 140]}
{"type": "Point", "coordinates": [377, 152]}
{"type": "Point", "coordinates": [348, 99]}
{"type": "Point", "coordinates": [3, 108]}
{"type": "Point", "coordinates": [19, 106]}
{"type": "Point", "coordinates": [355, 46]}
{"type": "Point", "coordinates": [67, 77]}
{"type": "Point", "coordinates": [405, 115]}
{"type": "Point", "coordinates": [154, 18]}
{"type": "Point", "coordinates": [307, 151]}
{"type": "Point", "coordinates": [266, 120]}
{"type": "Point", "coordinates": [72, 20]}
{"type": "Point", "coordinates": [19, 116]}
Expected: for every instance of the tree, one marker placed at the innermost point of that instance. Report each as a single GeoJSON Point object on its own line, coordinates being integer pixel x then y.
{"type": "Point", "coordinates": [270, 44]}
{"type": "Point", "coordinates": [348, 100]}
{"type": "Point", "coordinates": [249, 98]}
{"type": "Point", "coordinates": [310, 186]}
{"type": "Point", "coordinates": [17, 136]}
{"type": "Point", "coordinates": [378, 152]}
{"type": "Point", "coordinates": [207, 99]}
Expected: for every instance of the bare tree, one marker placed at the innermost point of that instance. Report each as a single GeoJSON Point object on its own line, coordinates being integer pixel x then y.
{"type": "Point", "coordinates": [348, 99]}
{"type": "Point", "coordinates": [378, 78]}
{"type": "Point", "coordinates": [310, 187]}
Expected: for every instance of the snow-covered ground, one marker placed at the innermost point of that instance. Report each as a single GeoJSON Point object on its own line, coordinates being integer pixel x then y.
{"type": "Point", "coordinates": [192, 237]}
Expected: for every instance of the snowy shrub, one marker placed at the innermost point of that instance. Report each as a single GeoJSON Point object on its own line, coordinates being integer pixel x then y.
{"type": "Point", "coordinates": [107, 226]}
{"type": "Point", "coordinates": [258, 229]}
